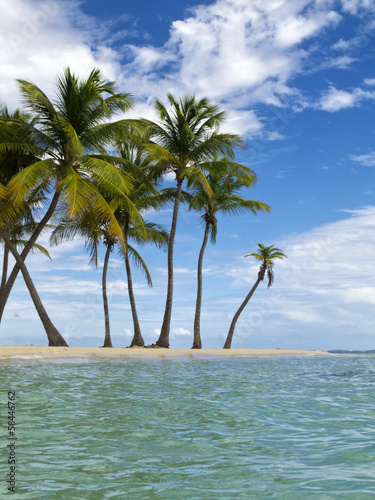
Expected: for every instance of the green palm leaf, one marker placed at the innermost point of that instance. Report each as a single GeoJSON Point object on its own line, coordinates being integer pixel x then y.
{"type": "Point", "coordinates": [25, 181]}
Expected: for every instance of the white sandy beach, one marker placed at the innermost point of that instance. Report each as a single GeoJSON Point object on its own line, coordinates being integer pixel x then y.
{"type": "Point", "coordinates": [16, 351]}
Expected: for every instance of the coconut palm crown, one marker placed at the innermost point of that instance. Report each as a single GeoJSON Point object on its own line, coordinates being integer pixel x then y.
{"type": "Point", "coordinates": [267, 255]}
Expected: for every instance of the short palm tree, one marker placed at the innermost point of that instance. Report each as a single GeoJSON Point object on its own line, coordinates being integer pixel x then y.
{"type": "Point", "coordinates": [87, 226]}
{"type": "Point", "coordinates": [266, 255]}
{"type": "Point", "coordinates": [185, 139]}
{"type": "Point", "coordinates": [69, 134]}
{"type": "Point", "coordinates": [224, 197]}
{"type": "Point", "coordinates": [95, 232]}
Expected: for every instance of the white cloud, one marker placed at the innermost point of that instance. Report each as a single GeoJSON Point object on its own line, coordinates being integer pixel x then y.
{"type": "Point", "coordinates": [128, 333]}
{"type": "Point", "coordinates": [177, 270]}
{"type": "Point", "coordinates": [41, 37]}
{"type": "Point", "coordinates": [342, 62]}
{"type": "Point", "coordinates": [335, 100]}
{"type": "Point", "coordinates": [370, 210]}
{"type": "Point", "coordinates": [369, 81]}
{"type": "Point", "coordinates": [342, 45]}
{"type": "Point", "coordinates": [281, 174]}
{"type": "Point", "coordinates": [275, 136]}
{"type": "Point", "coordinates": [245, 49]}
{"type": "Point", "coordinates": [355, 6]}
{"type": "Point", "coordinates": [367, 160]}
{"type": "Point", "coordinates": [181, 331]}
{"type": "Point", "coordinates": [237, 52]}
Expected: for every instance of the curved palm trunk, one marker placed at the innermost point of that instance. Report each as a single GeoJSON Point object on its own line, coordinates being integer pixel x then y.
{"type": "Point", "coordinates": [107, 338]}
{"type": "Point", "coordinates": [54, 337]}
{"type": "Point", "coordinates": [197, 343]}
{"type": "Point", "coordinates": [228, 342]}
{"type": "Point", "coordinates": [163, 340]}
{"type": "Point", "coordinates": [13, 275]}
{"type": "Point", "coordinates": [137, 340]}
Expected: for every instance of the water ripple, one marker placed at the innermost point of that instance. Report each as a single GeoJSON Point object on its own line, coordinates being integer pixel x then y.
{"type": "Point", "coordinates": [285, 428]}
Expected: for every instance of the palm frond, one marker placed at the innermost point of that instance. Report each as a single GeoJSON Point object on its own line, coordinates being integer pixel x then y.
{"type": "Point", "coordinates": [30, 177]}
{"type": "Point", "coordinates": [84, 226]}
{"type": "Point", "coordinates": [267, 254]}
{"type": "Point", "coordinates": [236, 206]}
{"type": "Point", "coordinates": [35, 247]}
{"type": "Point", "coordinates": [155, 234]}
{"type": "Point", "coordinates": [76, 192]}
{"type": "Point", "coordinates": [72, 140]}
{"type": "Point", "coordinates": [111, 179]}
{"type": "Point", "coordinates": [140, 263]}
{"type": "Point", "coordinates": [270, 276]}
{"type": "Point", "coordinates": [36, 100]}
{"type": "Point", "coordinates": [199, 177]}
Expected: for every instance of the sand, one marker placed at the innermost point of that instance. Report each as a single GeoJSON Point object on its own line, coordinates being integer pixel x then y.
{"type": "Point", "coordinates": [95, 352]}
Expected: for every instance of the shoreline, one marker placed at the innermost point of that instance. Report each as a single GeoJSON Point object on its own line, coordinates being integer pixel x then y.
{"type": "Point", "coordinates": [136, 352]}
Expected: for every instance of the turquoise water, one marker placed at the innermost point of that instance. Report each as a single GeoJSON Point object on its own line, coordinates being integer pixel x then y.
{"type": "Point", "coordinates": [285, 428]}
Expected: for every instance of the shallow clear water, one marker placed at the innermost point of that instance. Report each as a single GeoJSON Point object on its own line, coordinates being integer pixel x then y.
{"type": "Point", "coordinates": [285, 428]}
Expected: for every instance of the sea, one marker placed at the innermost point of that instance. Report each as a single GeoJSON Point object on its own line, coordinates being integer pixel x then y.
{"type": "Point", "coordinates": [285, 427]}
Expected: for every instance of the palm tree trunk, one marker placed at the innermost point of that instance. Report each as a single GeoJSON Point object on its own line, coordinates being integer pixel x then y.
{"type": "Point", "coordinates": [163, 340]}
{"type": "Point", "coordinates": [197, 343]}
{"type": "Point", "coordinates": [137, 340]}
{"type": "Point", "coordinates": [107, 338]}
{"type": "Point", "coordinates": [54, 337]}
{"type": "Point", "coordinates": [228, 342]}
{"type": "Point", "coordinates": [5, 269]}
{"type": "Point", "coordinates": [4, 295]}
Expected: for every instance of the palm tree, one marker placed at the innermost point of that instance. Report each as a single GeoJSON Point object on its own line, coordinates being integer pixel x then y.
{"type": "Point", "coordinates": [94, 232]}
{"type": "Point", "coordinates": [144, 197]}
{"type": "Point", "coordinates": [224, 197]}
{"type": "Point", "coordinates": [69, 134]}
{"type": "Point", "coordinates": [131, 148]}
{"type": "Point", "coordinates": [185, 139]}
{"type": "Point", "coordinates": [21, 223]}
{"type": "Point", "coordinates": [86, 225]}
{"type": "Point", "coordinates": [154, 234]}
{"type": "Point", "coordinates": [266, 255]}
{"type": "Point", "coordinates": [9, 166]}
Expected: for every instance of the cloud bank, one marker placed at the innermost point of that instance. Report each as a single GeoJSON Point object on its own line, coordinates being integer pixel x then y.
{"type": "Point", "coordinates": [239, 53]}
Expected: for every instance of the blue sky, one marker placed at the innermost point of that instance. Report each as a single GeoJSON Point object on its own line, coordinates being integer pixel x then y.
{"type": "Point", "coordinates": [297, 79]}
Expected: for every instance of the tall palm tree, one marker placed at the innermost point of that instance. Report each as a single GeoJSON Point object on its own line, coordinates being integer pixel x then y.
{"type": "Point", "coordinates": [20, 223]}
{"type": "Point", "coordinates": [131, 147]}
{"type": "Point", "coordinates": [143, 196]}
{"type": "Point", "coordinates": [224, 197]}
{"type": "Point", "coordinates": [266, 255]}
{"type": "Point", "coordinates": [70, 134]}
{"type": "Point", "coordinates": [185, 139]}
